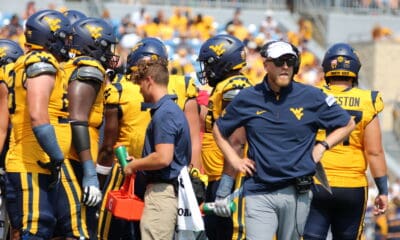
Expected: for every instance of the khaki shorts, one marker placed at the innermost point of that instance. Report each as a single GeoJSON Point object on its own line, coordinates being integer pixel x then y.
{"type": "Point", "coordinates": [160, 212]}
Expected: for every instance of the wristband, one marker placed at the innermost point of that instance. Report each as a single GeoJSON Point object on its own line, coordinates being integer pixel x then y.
{"type": "Point", "coordinates": [225, 186]}
{"type": "Point", "coordinates": [325, 144]}
{"type": "Point", "coordinates": [103, 170]}
{"type": "Point", "coordinates": [381, 184]}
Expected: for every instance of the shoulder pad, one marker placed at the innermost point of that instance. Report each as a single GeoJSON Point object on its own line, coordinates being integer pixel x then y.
{"type": "Point", "coordinates": [89, 73]}
{"type": "Point", "coordinates": [39, 68]}
{"type": "Point", "coordinates": [112, 93]}
{"type": "Point", "coordinates": [377, 101]}
{"type": "Point", "coordinates": [88, 61]}
{"type": "Point", "coordinates": [40, 56]}
{"type": "Point", "coordinates": [226, 90]}
{"type": "Point", "coordinates": [191, 88]}
{"type": "Point", "coordinates": [233, 83]}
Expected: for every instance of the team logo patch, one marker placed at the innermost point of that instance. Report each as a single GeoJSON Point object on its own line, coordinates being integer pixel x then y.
{"type": "Point", "coordinates": [218, 49]}
{"type": "Point", "coordinates": [330, 100]}
{"type": "Point", "coordinates": [340, 59]}
{"type": "Point", "coordinates": [54, 23]}
{"type": "Point", "coordinates": [298, 112]}
{"type": "Point", "coordinates": [94, 31]}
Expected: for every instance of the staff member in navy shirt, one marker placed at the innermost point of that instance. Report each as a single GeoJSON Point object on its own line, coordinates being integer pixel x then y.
{"type": "Point", "coordinates": [281, 118]}
{"type": "Point", "coordinates": [167, 149]}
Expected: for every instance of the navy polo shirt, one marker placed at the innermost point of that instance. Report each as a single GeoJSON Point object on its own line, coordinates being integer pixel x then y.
{"type": "Point", "coordinates": [168, 125]}
{"type": "Point", "coordinates": [281, 130]}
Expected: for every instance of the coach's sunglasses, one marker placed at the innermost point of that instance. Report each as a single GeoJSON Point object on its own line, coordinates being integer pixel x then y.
{"type": "Point", "coordinates": [290, 61]}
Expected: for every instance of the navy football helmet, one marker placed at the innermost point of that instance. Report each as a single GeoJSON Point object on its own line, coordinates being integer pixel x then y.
{"type": "Point", "coordinates": [94, 37]}
{"type": "Point", "coordinates": [146, 52]}
{"type": "Point", "coordinates": [10, 51]}
{"type": "Point", "coordinates": [219, 56]}
{"type": "Point", "coordinates": [49, 29]}
{"type": "Point", "coordinates": [341, 60]}
{"type": "Point", "coordinates": [147, 47]}
{"type": "Point", "coordinates": [74, 15]}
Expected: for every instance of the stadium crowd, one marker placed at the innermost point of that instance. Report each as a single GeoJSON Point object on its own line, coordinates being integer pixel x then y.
{"type": "Point", "coordinates": [184, 35]}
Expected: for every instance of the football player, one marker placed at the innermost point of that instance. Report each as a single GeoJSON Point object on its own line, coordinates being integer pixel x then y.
{"type": "Point", "coordinates": [221, 59]}
{"type": "Point", "coordinates": [345, 164]}
{"type": "Point", "coordinates": [41, 189]}
{"type": "Point", "coordinates": [92, 48]}
{"type": "Point", "coordinates": [11, 52]}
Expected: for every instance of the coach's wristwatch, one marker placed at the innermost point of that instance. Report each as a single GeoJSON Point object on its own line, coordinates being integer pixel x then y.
{"type": "Point", "coordinates": [324, 143]}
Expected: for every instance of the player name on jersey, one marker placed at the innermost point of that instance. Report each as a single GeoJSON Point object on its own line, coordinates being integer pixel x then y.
{"type": "Point", "coordinates": [348, 101]}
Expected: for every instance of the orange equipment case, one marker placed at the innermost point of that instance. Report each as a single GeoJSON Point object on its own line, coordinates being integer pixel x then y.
{"type": "Point", "coordinates": [124, 203]}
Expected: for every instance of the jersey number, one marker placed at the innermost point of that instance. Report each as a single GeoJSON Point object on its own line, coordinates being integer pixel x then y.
{"type": "Point", "coordinates": [357, 116]}
{"type": "Point", "coordinates": [11, 94]}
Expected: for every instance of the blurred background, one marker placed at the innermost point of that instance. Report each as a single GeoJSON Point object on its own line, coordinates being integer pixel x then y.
{"type": "Point", "coordinates": [370, 26]}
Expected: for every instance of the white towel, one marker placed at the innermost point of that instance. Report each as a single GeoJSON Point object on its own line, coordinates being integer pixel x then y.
{"type": "Point", "coordinates": [189, 215]}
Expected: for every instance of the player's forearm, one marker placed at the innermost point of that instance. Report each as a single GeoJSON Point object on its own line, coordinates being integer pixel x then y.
{"type": "Point", "coordinates": [105, 156]}
{"type": "Point", "coordinates": [223, 143]}
{"type": "Point", "coordinates": [3, 129]}
{"type": "Point", "coordinates": [192, 116]}
{"type": "Point", "coordinates": [377, 164]}
{"type": "Point", "coordinates": [196, 153]}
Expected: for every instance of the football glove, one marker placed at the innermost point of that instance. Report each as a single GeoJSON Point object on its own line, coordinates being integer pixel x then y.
{"type": "Point", "coordinates": [222, 207]}
{"type": "Point", "coordinates": [91, 196]}
{"type": "Point", "coordinates": [90, 183]}
{"type": "Point", "coordinates": [54, 167]}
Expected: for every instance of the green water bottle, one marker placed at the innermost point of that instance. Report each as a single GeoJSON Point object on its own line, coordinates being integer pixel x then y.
{"type": "Point", "coordinates": [121, 153]}
{"type": "Point", "coordinates": [208, 208]}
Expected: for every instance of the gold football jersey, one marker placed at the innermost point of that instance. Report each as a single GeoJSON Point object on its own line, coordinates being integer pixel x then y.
{"type": "Point", "coordinates": [212, 157]}
{"type": "Point", "coordinates": [345, 164]}
{"type": "Point", "coordinates": [7, 75]}
{"type": "Point", "coordinates": [133, 120]}
{"type": "Point", "coordinates": [96, 113]}
{"type": "Point", "coordinates": [134, 117]}
{"type": "Point", "coordinates": [24, 150]}
{"type": "Point", "coordinates": [183, 87]}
